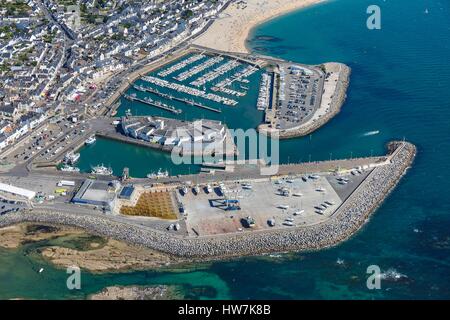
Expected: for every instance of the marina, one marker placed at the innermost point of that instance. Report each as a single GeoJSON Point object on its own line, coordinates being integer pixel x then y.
{"type": "Point", "coordinates": [180, 65]}
{"type": "Point", "coordinates": [264, 92]}
{"type": "Point", "coordinates": [189, 90]}
{"type": "Point", "coordinates": [199, 68]}
{"type": "Point", "coordinates": [214, 74]}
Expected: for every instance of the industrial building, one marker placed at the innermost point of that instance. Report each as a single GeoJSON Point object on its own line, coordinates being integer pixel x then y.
{"type": "Point", "coordinates": [97, 193]}
{"type": "Point", "coordinates": [127, 192]}
{"type": "Point", "coordinates": [173, 133]}
{"type": "Point", "coordinates": [17, 191]}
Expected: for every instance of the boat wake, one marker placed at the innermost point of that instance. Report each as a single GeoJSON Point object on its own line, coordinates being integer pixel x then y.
{"type": "Point", "coordinates": [393, 275]}
{"type": "Point", "coordinates": [371, 133]}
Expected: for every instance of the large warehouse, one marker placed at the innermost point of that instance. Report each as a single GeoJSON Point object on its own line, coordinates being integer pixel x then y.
{"type": "Point", "coordinates": [97, 193]}
{"type": "Point", "coordinates": [17, 191]}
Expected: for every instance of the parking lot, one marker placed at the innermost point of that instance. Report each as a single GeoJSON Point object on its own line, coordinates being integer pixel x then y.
{"type": "Point", "coordinates": [46, 143]}
{"type": "Point", "coordinates": [7, 206]}
{"type": "Point", "coordinates": [300, 95]}
{"type": "Point", "coordinates": [207, 214]}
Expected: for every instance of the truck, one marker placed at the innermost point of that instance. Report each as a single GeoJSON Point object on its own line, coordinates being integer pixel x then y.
{"type": "Point", "coordinates": [66, 183]}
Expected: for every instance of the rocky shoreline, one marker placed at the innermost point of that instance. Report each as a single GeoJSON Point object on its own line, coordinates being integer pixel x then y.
{"type": "Point", "coordinates": [347, 220]}
{"type": "Point", "coordinates": [135, 293]}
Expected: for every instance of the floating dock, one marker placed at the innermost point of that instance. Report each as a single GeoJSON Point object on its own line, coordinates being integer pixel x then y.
{"type": "Point", "coordinates": [170, 97]}
{"type": "Point", "coordinates": [153, 104]}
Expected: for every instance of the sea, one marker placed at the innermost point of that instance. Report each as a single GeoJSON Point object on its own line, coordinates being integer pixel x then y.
{"type": "Point", "coordinates": [399, 90]}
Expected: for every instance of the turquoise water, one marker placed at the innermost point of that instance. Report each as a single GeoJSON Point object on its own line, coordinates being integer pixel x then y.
{"type": "Point", "coordinates": [399, 87]}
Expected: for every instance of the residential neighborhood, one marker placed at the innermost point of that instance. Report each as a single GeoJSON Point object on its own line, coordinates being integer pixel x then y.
{"type": "Point", "coordinates": [69, 56]}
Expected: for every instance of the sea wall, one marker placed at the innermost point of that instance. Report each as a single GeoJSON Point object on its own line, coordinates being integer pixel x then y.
{"type": "Point", "coordinates": [349, 218]}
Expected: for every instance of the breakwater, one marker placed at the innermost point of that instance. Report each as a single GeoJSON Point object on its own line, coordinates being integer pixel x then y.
{"type": "Point", "coordinates": [347, 220]}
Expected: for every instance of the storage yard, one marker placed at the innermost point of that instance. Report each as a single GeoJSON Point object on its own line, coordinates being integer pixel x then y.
{"type": "Point", "coordinates": [215, 213]}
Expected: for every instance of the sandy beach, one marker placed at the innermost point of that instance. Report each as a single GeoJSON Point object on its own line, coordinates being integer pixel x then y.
{"type": "Point", "coordinates": [230, 31]}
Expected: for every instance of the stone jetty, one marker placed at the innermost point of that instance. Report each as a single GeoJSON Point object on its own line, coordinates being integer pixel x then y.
{"type": "Point", "coordinates": [347, 220]}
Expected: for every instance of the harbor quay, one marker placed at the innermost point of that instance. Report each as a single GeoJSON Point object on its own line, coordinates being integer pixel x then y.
{"type": "Point", "coordinates": [344, 200]}
{"type": "Point", "coordinates": [201, 138]}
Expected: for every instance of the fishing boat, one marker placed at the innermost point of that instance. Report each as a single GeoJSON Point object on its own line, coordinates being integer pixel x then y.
{"type": "Point", "coordinates": [90, 140]}
{"type": "Point", "coordinates": [101, 170]}
{"type": "Point", "coordinates": [67, 168]}
{"type": "Point", "coordinates": [71, 158]}
{"type": "Point", "coordinates": [158, 175]}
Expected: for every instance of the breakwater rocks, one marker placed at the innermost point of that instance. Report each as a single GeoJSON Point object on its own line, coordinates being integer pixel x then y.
{"type": "Point", "coordinates": [349, 218]}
